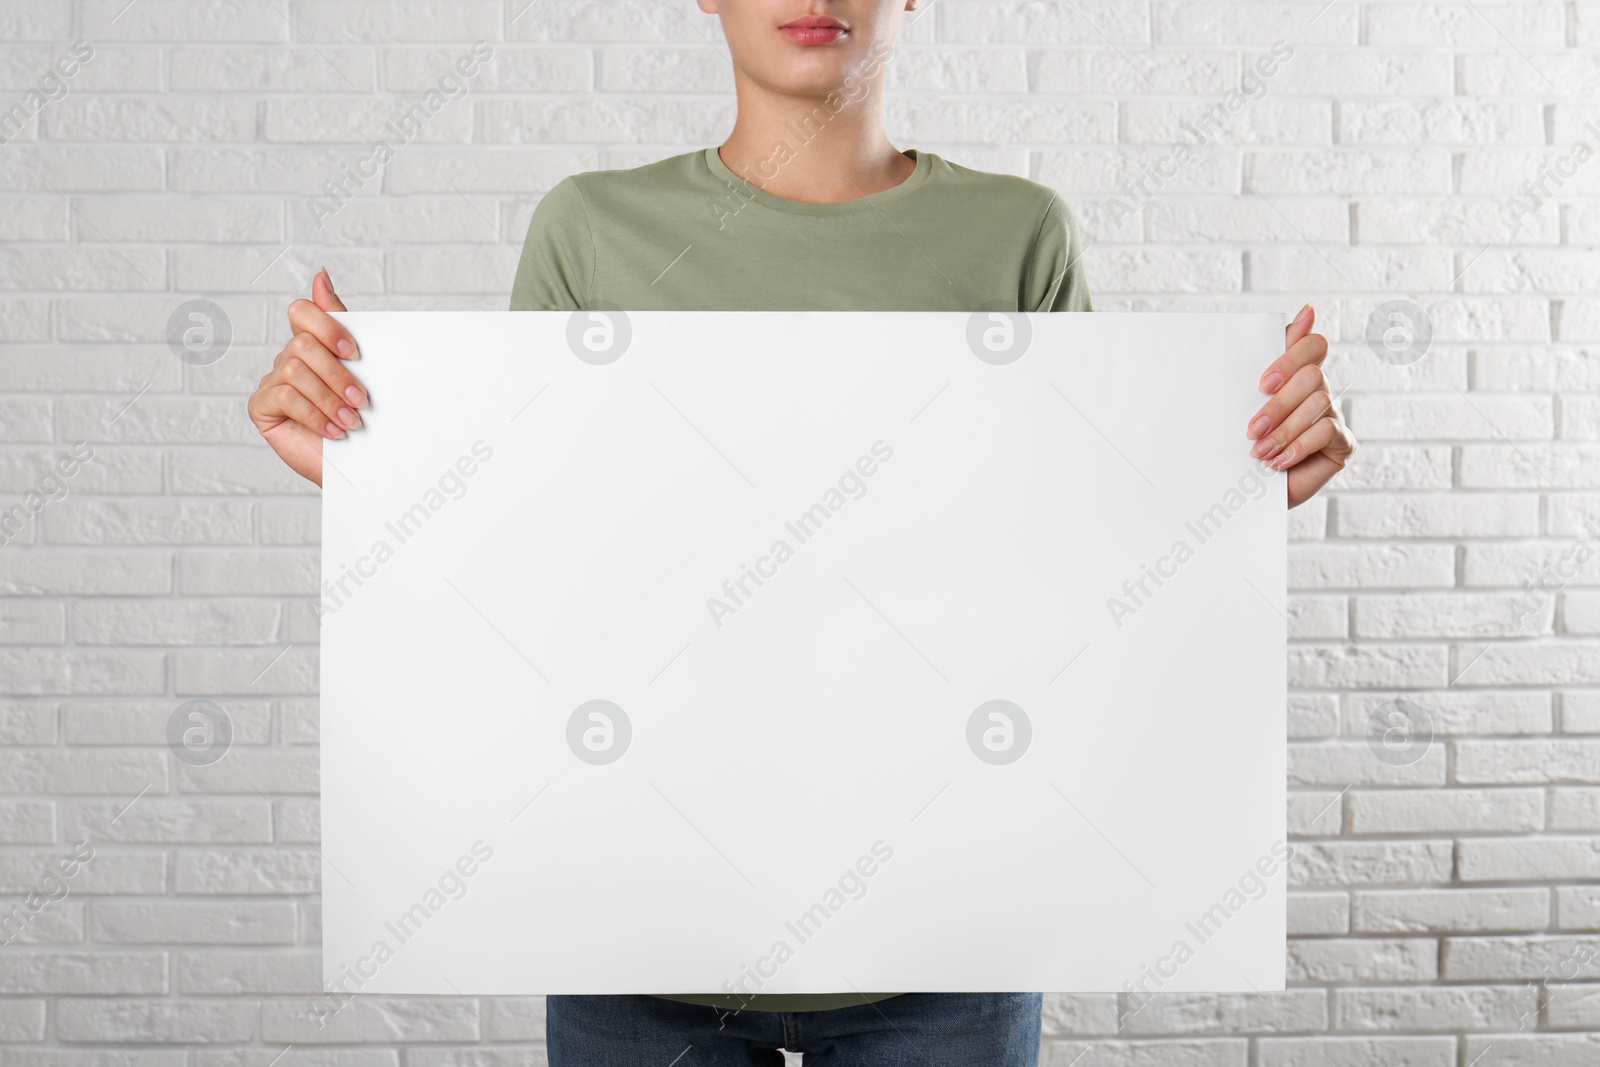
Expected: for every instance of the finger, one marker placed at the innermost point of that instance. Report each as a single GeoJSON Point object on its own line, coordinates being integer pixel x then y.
{"type": "Point", "coordinates": [1310, 349]}
{"type": "Point", "coordinates": [298, 373]}
{"type": "Point", "coordinates": [1318, 407]}
{"type": "Point", "coordinates": [1299, 327]}
{"type": "Point", "coordinates": [1306, 381]}
{"type": "Point", "coordinates": [307, 317]}
{"type": "Point", "coordinates": [335, 372]}
{"type": "Point", "coordinates": [1326, 435]}
{"type": "Point", "coordinates": [1307, 479]}
{"type": "Point", "coordinates": [284, 401]}
{"type": "Point", "coordinates": [322, 293]}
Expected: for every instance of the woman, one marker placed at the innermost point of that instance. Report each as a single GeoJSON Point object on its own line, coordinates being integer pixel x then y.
{"type": "Point", "coordinates": [806, 206]}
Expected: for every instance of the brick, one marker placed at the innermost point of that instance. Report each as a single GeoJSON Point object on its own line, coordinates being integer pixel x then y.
{"type": "Point", "coordinates": [161, 820]}
{"type": "Point", "coordinates": [260, 771]}
{"type": "Point", "coordinates": [62, 923]}
{"type": "Point", "coordinates": [299, 723]}
{"type": "Point", "coordinates": [1572, 1006]}
{"type": "Point", "coordinates": [560, 69]}
{"type": "Point", "coordinates": [1546, 858]}
{"type": "Point", "coordinates": [1419, 911]}
{"type": "Point", "coordinates": [1368, 666]}
{"type": "Point", "coordinates": [1095, 71]}
{"type": "Point", "coordinates": [108, 872]}
{"type": "Point", "coordinates": [266, 672]}
{"type": "Point", "coordinates": [1358, 1051]}
{"type": "Point", "coordinates": [1313, 715]}
{"type": "Point", "coordinates": [1577, 907]}
{"type": "Point", "coordinates": [1430, 515]}
{"type": "Point", "coordinates": [297, 821]}
{"type": "Point", "coordinates": [1562, 663]}
{"type": "Point", "coordinates": [1318, 913]}
{"type": "Point", "coordinates": [1520, 958]}
{"type": "Point", "coordinates": [22, 1020]}
{"type": "Point", "coordinates": [1217, 1052]}
{"type": "Point", "coordinates": [274, 871]}
{"type": "Point", "coordinates": [252, 973]}
{"type": "Point", "coordinates": [361, 20]}
{"type": "Point", "coordinates": [1574, 809]}
{"type": "Point", "coordinates": [421, 1020]}
{"type": "Point", "coordinates": [1315, 814]}
{"type": "Point", "coordinates": [1458, 711]}
{"type": "Point", "coordinates": [153, 922]}
{"type": "Point", "coordinates": [27, 724]}
{"type": "Point", "coordinates": [166, 118]}
{"type": "Point", "coordinates": [1345, 960]}
{"type": "Point", "coordinates": [1452, 615]}
{"type": "Point", "coordinates": [272, 572]}
{"type": "Point", "coordinates": [1566, 761]}
{"type": "Point", "coordinates": [1359, 863]}
{"type": "Point", "coordinates": [1555, 466]}
{"type": "Point", "coordinates": [1371, 566]}
{"type": "Point", "coordinates": [145, 722]}
{"type": "Point", "coordinates": [341, 120]}
{"type": "Point", "coordinates": [157, 1021]}
{"type": "Point", "coordinates": [1299, 1009]}
{"type": "Point", "coordinates": [326, 69]}
{"type": "Point", "coordinates": [101, 972]}
{"type": "Point", "coordinates": [523, 1018]}
{"type": "Point", "coordinates": [1471, 811]}
{"type": "Point", "coordinates": [1399, 220]}
{"type": "Point", "coordinates": [1530, 1050]}
{"type": "Point", "coordinates": [57, 772]}
{"type": "Point", "coordinates": [80, 168]}
{"type": "Point", "coordinates": [1355, 763]}
{"type": "Point", "coordinates": [1024, 23]}
{"type": "Point", "coordinates": [1405, 172]}
{"type": "Point", "coordinates": [219, 622]}
{"type": "Point", "coordinates": [1391, 467]}
{"type": "Point", "coordinates": [27, 822]}
{"type": "Point", "coordinates": [59, 1057]}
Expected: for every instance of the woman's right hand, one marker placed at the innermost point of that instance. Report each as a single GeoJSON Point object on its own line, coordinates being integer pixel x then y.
{"type": "Point", "coordinates": [309, 395]}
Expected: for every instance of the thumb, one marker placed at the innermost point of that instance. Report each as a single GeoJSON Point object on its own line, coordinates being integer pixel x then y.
{"type": "Point", "coordinates": [322, 293]}
{"type": "Point", "coordinates": [1296, 330]}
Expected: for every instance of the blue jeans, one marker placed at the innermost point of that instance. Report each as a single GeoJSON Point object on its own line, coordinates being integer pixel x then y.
{"type": "Point", "coordinates": [911, 1030]}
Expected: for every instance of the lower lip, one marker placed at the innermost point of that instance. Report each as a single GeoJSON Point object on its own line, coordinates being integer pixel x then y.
{"type": "Point", "coordinates": [812, 34]}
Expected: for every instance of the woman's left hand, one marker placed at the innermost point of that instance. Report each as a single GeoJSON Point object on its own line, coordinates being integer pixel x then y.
{"type": "Point", "coordinates": [1300, 429]}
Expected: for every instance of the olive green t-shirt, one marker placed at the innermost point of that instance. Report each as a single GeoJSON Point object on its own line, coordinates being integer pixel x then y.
{"type": "Point", "coordinates": [687, 234]}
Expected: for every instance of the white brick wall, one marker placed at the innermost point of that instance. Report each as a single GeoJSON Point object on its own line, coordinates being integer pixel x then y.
{"type": "Point", "coordinates": [1445, 910]}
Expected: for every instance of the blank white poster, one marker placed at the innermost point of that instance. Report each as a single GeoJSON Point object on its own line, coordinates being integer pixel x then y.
{"type": "Point", "coordinates": [804, 652]}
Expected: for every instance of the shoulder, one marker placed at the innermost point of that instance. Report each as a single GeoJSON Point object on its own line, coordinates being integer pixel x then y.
{"type": "Point", "coordinates": [1006, 192]}
{"type": "Point", "coordinates": [632, 183]}
{"type": "Point", "coordinates": [1030, 217]}
{"type": "Point", "coordinates": [1005, 203]}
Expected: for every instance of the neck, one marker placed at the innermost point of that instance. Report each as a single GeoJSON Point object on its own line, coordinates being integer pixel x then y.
{"type": "Point", "coordinates": [800, 148]}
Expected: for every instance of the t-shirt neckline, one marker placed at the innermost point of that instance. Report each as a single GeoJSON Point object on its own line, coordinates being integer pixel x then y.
{"type": "Point", "coordinates": [919, 176]}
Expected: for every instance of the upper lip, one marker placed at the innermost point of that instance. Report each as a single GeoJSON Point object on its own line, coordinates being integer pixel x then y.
{"type": "Point", "coordinates": [813, 22]}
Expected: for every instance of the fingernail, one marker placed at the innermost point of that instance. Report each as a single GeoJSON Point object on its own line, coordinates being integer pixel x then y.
{"type": "Point", "coordinates": [349, 418]}
{"type": "Point", "coordinates": [328, 276]}
{"type": "Point", "coordinates": [1303, 313]}
{"type": "Point", "coordinates": [333, 431]}
{"type": "Point", "coordinates": [348, 349]}
{"type": "Point", "coordinates": [1283, 461]}
{"type": "Point", "coordinates": [1260, 426]}
{"type": "Point", "coordinates": [356, 397]}
{"type": "Point", "coordinates": [1272, 382]}
{"type": "Point", "coordinates": [1264, 447]}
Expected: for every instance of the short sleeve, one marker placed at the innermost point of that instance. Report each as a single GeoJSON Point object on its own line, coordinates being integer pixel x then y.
{"type": "Point", "coordinates": [557, 262]}
{"type": "Point", "coordinates": [1055, 275]}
